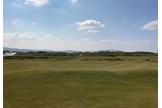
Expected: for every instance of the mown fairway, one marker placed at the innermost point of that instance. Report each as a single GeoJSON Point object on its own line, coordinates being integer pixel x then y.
{"type": "Point", "coordinates": [131, 82]}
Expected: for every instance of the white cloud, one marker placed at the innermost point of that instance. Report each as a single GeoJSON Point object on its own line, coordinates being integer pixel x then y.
{"type": "Point", "coordinates": [30, 40]}
{"type": "Point", "coordinates": [92, 26]}
{"type": "Point", "coordinates": [73, 1]}
{"type": "Point", "coordinates": [27, 36]}
{"type": "Point", "coordinates": [89, 24]}
{"type": "Point", "coordinates": [153, 25]}
{"type": "Point", "coordinates": [37, 3]}
{"type": "Point", "coordinates": [19, 36]}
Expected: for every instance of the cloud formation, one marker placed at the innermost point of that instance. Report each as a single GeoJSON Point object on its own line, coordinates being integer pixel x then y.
{"type": "Point", "coordinates": [91, 26]}
{"type": "Point", "coordinates": [37, 3]}
{"type": "Point", "coordinates": [27, 36]}
{"type": "Point", "coordinates": [30, 40]}
{"type": "Point", "coordinates": [153, 25]}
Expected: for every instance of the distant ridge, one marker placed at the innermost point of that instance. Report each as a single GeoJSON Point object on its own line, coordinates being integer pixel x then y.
{"type": "Point", "coordinates": [6, 49]}
{"type": "Point", "coordinates": [67, 51]}
{"type": "Point", "coordinates": [109, 50]}
{"type": "Point", "coordinates": [18, 50]}
{"type": "Point", "coordinates": [35, 50]}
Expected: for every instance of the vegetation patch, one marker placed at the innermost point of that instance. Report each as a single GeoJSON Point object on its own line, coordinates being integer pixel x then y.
{"type": "Point", "coordinates": [131, 82]}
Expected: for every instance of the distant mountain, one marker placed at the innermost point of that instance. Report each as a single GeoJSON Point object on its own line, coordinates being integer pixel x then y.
{"type": "Point", "coordinates": [114, 50]}
{"type": "Point", "coordinates": [67, 51]}
{"type": "Point", "coordinates": [18, 50]}
{"type": "Point", "coordinates": [35, 50]}
{"type": "Point", "coordinates": [109, 50]}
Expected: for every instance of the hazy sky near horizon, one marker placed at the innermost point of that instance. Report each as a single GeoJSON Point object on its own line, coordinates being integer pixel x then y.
{"type": "Point", "coordinates": [128, 25]}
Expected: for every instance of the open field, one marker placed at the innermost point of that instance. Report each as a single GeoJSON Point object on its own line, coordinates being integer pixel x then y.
{"type": "Point", "coordinates": [86, 82]}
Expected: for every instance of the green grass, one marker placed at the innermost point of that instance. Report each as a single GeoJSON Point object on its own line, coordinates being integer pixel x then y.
{"type": "Point", "coordinates": [47, 83]}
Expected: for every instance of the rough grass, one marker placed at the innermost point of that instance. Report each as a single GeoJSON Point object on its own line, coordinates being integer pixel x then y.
{"type": "Point", "coordinates": [47, 83]}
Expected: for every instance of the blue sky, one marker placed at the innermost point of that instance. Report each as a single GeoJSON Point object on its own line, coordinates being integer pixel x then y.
{"type": "Point", "coordinates": [128, 25]}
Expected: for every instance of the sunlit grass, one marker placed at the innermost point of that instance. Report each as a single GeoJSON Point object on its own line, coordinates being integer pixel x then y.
{"type": "Point", "coordinates": [47, 83]}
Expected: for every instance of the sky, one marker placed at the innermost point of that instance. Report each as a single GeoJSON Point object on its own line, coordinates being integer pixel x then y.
{"type": "Point", "coordinates": [84, 25]}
